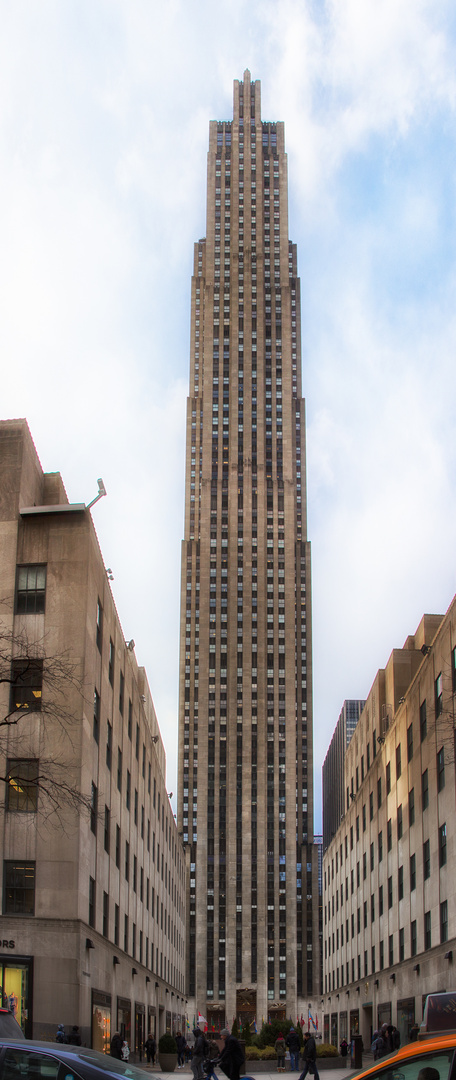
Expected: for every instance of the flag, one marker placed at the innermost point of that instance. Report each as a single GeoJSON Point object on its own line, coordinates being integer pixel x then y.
{"type": "Point", "coordinates": [202, 1020]}
{"type": "Point", "coordinates": [315, 1025]}
{"type": "Point", "coordinates": [194, 1024]}
{"type": "Point", "coordinates": [302, 1021]}
{"type": "Point", "coordinates": [316, 1021]}
{"type": "Point", "coordinates": [255, 1025]}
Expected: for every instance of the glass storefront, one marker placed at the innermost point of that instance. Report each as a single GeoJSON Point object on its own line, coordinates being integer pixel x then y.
{"type": "Point", "coordinates": [124, 1019]}
{"type": "Point", "coordinates": [140, 1021]}
{"type": "Point", "coordinates": [354, 1022]}
{"type": "Point", "coordinates": [101, 1021]}
{"type": "Point", "coordinates": [334, 1029]}
{"type": "Point", "coordinates": [16, 985]}
{"type": "Point", "coordinates": [405, 1018]}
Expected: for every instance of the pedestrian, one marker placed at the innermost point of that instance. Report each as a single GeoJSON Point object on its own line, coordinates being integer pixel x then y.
{"type": "Point", "coordinates": [200, 1052]}
{"type": "Point", "coordinates": [180, 1041]}
{"type": "Point", "coordinates": [294, 1046]}
{"type": "Point", "coordinates": [115, 1049]}
{"type": "Point", "coordinates": [280, 1048]}
{"type": "Point", "coordinates": [74, 1037]}
{"type": "Point", "coordinates": [379, 1045]}
{"type": "Point", "coordinates": [125, 1051]}
{"type": "Point", "coordinates": [150, 1047]}
{"type": "Point", "coordinates": [344, 1048]}
{"type": "Point", "coordinates": [309, 1054]}
{"type": "Point", "coordinates": [60, 1036]}
{"type": "Point", "coordinates": [232, 1057]}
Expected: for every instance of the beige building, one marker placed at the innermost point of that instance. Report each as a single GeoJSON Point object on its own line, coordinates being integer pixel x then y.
{"type": "Point", "coordinates": [389, 908]}
{"type": "Point", "coordinates": [93, 899]}
{"type": "Point", "coordinates": [245, 716]}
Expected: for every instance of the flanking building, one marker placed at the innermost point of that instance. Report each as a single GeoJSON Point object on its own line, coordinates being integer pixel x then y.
{"type": "Point", "coordinates": [389, 906]}
{"type": "Point", "coordinates": [245, 716]}
{"type": "Point", "coordinates": [93, 875]}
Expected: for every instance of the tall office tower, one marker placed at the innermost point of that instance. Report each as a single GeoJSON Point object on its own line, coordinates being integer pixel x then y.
{"type": "Point", "coordinates": [245, 805]}
{"type": "Point", "coordinates": [333, 769]}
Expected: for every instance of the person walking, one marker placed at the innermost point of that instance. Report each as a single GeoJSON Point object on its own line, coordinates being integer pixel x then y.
{"type": "Point", "coordinates": [309, 1054]}
{"type": "Point", "coordinates": [232, 1056]}
{"type": "Point", "coordinates": [200, 1050]}
{"type": "Point", "coordinates": [115, 1049]}
{"type": "Point", "coordinates": [294, 1046]}
{"type": "Point", "coordinates": [60, 1036]}
{"type": "Point", "coordinates": [150, 1047]}
{"type": "Point", "coordinates": [280, 1048]}
{"type": "Point", "coordinates": [180, 1042]}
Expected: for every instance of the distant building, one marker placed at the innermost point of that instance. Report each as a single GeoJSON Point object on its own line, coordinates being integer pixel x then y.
{"type": "Point", "coordinates": [92, 901]}
{"type": "Point", "coordinates": [389, 906]}
{"type": "Point", "coordinates": [333, 768]}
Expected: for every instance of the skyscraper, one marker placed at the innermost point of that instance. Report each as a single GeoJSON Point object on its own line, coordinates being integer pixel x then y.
{"type": "Point", "coordinates": [245, 806]}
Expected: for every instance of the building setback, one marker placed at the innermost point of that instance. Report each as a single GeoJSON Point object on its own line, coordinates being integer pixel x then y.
{"type": "Point", "coordinates": [333, 769]}
{"type": "Point", "coordinates": [245, 806]}
{"type": "Point", "coordinates": [93, 917]}
{"type": "Point", "coordinates": [389, 909]}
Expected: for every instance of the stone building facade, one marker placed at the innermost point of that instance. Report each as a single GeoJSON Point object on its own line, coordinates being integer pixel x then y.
{"type": "Point", "coordinates": [389, 907]}
{"type": "Point", "coordinates": [245, 716]}
{"type": "Point", "coordinates": [93, 899]}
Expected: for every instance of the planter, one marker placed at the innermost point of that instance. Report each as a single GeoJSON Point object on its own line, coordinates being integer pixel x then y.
{"type": "Point", "coordinates": [168, 1062]}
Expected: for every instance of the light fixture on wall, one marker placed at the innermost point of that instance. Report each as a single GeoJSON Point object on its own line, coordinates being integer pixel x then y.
{"type": "Point", "coordinates": [449, 955]}
{"type": "Point", "coordinates": [376, 983]}
{"type": "Point", "coordinates": [393, 977]}
{"type": "Point", "coordinates": [134, 972]}
{"type": "Point", "coordinates": [417, 968]}
{"type": "Point", "coordinates": [147, 979]}
{"type": "Point", "coordinates": [89, 943]}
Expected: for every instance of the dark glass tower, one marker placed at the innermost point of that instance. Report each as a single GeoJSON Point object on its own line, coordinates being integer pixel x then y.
{"type": "Point", "coordinates": [245, 719]}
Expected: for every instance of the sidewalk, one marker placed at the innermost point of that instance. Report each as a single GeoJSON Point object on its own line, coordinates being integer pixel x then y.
{"type": "Point", "coordinates": [325, 1074]}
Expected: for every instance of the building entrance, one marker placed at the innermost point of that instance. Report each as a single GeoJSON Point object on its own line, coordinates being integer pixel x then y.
{"type": "Point", "coordinates": [246, 1007]}
{"type": "Point", "coordinates": [16, 985]}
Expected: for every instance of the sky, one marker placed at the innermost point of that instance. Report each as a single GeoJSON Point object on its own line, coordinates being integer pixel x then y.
{"type": "Point", "coordinates": [104, 117]}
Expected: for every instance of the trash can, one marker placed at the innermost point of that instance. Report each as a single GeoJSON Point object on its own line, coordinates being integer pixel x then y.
{"type": "Point", "coordinates": [356, 1052]}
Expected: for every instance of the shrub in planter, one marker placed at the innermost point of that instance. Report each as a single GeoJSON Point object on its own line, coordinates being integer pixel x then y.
{"type": "Point", "coordinates": [327, 1050]}
{"type": "Point", "coordinates": [167, 1052]}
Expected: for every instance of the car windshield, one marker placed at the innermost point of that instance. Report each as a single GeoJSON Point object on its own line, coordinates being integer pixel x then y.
{"type": "Point", "coordinates": [110, 1064]}
{"type": "Point", "coordinates": [425, 1066]}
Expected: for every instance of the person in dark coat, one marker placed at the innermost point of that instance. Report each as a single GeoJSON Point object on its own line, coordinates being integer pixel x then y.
{"type": "Point", "coordinates": [199, 1054]}
{"type": "Point", "coordinates": [232, 1056]}
{"type": "Point", "coordinates": [294, 1046]}
{"type": "Point", "coordinates": [74, 1037]}
{"type": "Point", "coordinates": [116, 1046]}
{"type": "Point", "coordinates": [344, 1048]}
{"type": "Point", "coordinates": [150, 1047]}
{"type": "Point", "coordinates": [180, 1042]}
{"type": "Point", "coordinates": [309, 1054]}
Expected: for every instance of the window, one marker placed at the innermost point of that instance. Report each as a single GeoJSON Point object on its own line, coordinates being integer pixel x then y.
{"type": "Point", "coordinates": [401, 945]}
{"type": "Point", "coordinates": [18, 888]}
{"type": "Point", "coordinates": [390, 950]}
{"type": "Point", "coordinates": [26, 684]}
{"type": "Point", "coordinates": [96, 715]}
{"type": "Point", "coordinates": [423, 720]}
{"type": "Point", "coordinates": [400, 883]}
{"type": "Point", "coordinates": [371, 806]}
{"type": "Point", "coordinates": [411, 807]}
{"type": "Point", "coordinates": [111, 662]}
{"type": "Point", "coordinates": [389, 834]}
{"type": "Point", "coordinates": [388, 777]}
{"type": "Point", "coordinates": [119, 770]}
{"type": "Point", "coordinates": [116, 924]}
{"type": "Point", "coordinates": [398, 761]}
{"type": "Point", "coordinates": [107, 829]}
{"type": "Point", "coordinates": [30, 1063]}
{"type": "Point", "coordinates": [22, 785]}
{"type": "Point", "coordinates": [109, 746]}
{"type": "Point", "coordinates": [413, 938]}
{"type": "Point", "coordinates": [441, 769]}
{"type": "Point", "coordinates": [364, 866]}
{"type": "Point", "coordinates": [427, 930]}
{"type": "Point", "coordinates": [126, 933]}
{"type": "Point", "coordinates": [380, 846]}
{"type": "Point", "coordinates": [444, 921]}
{"type": "Point", "coordinates": [372, 908]}
{"type": "Point", "coordinates": [372, 857]}
{"type": "Point", "coordinates": [410, 743]}
{"type": "Point", "coordinates": [127, 861]}
{"type": "Point", "coordinates": [30, 589]}
{"type": "Point", "coordinates": [426, 859]}
{"type": "Point", "coordinates": [442, 846]}
{"type": "Point", "coordinates": [425, 790]}
{"type": "Point", "coordinates": [364, 817]}
{"type": "Point", "coordinates": [121, 692]}
{"type": "Point", "coordinates": [128, 790]}
{"type": "Point", "coordinates": [399, 822]}
{"type": "Point", "coordinates": [105, 914]}
{"type": "Point", "coordinates": [379, 792]}
{"type": "Point", "coordinates": [130, 717]}
{"type": "Point", "coordinates": [412, 873]}
{"type": "Point", "coordinates": [118, 846]}
{"type": "Point", "coordinates": [92, 902]}
{"type": "Point", "coordinates": [438, 689]}
{"type": "Point", "coordinates": [94, 808]}
{"type": "Point", "coordinates": [99, 625]}
{"type": "Point", "coordinates": [382, 957]}
{"type": "Point", "coordinates": [390, 892]}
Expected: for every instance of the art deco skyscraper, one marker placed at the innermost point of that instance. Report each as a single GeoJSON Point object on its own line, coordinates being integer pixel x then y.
{"type": "Point", "coordinates": [245, 722]}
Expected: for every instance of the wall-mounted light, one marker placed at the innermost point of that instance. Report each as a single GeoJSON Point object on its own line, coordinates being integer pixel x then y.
{"type": "Point", "coordinates": [347, 993]}
{"type": "Point", "coordinates": [393, 977]}
{"type": "Point", "coordinates": [89, 943]}
{"type": "Point", "coordinates": [154, 737]}
{"type": "Point", "coordinates": [449, 955]}
{"type": "Point", "coordinates": [357, 990]}
{"type": "Point", "coordinates": [417, 968]}
{"type": "Point", "coordinates": [147, 979]}
{"type": "Point", "coordinates": [156, 986]}
{"type": "Point", "coordinates": [115, 960]}
{"type": "Point", "coordinates": [376, 983]}
{"type": "Point", "coordinates": [134, 972]}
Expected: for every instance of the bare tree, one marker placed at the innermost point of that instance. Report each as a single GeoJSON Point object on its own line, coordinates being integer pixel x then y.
{"type": "Point", "coordinates": [39, 727]}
